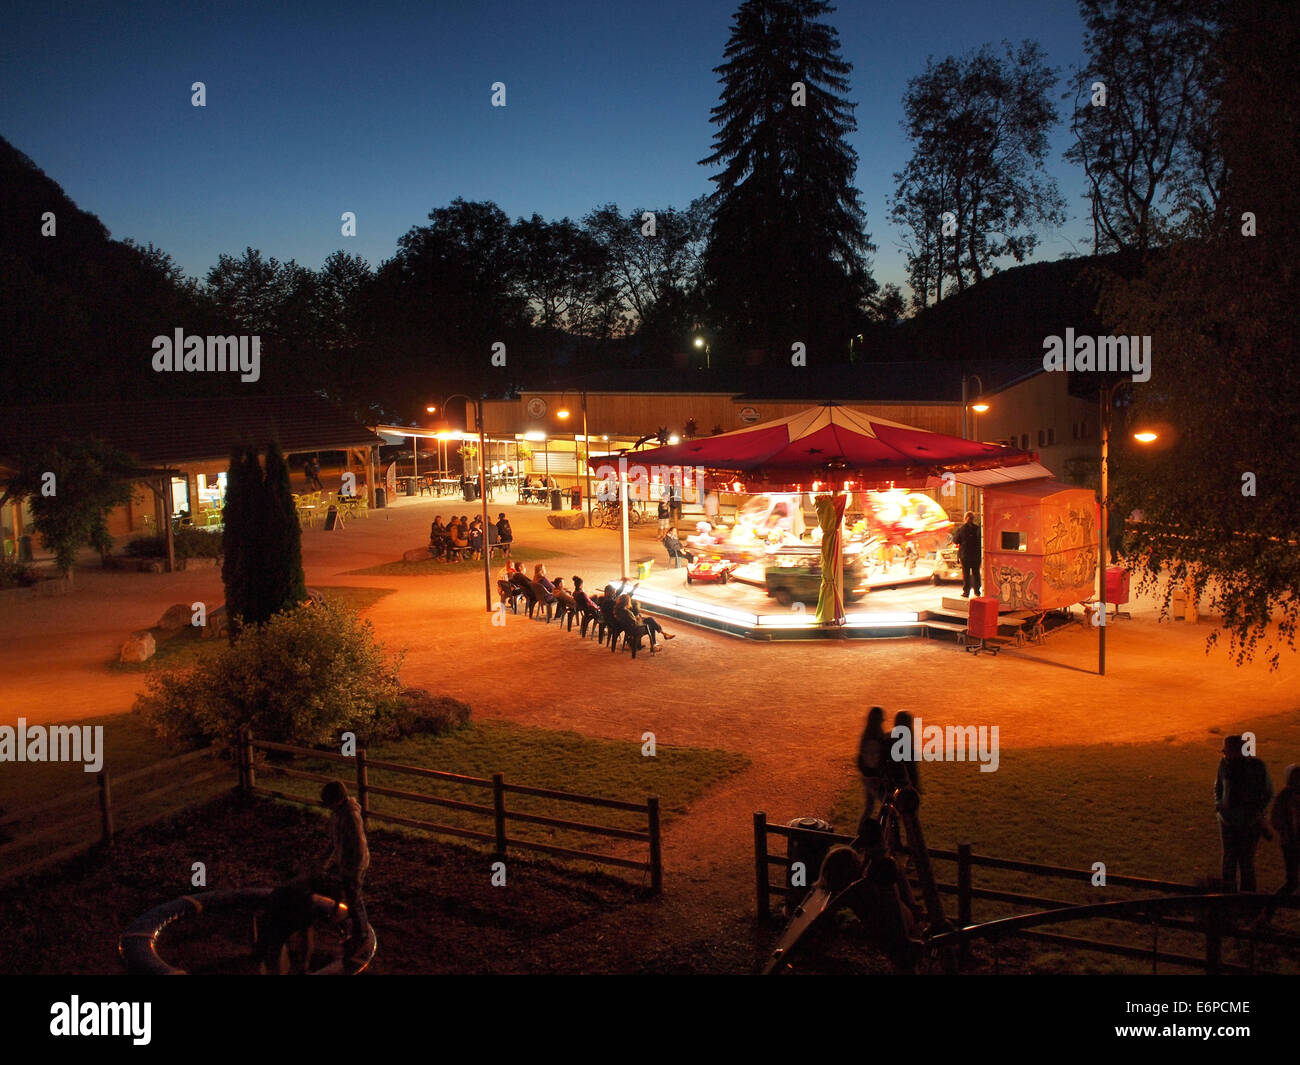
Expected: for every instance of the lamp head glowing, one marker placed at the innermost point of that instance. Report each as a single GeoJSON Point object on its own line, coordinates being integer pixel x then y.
{"type": "Point", "coordinates": [562, 413]}
{"type": "Point", "coordinates": [431, 409]}
{"type": "Point", "coordinates": [699, 342]}
{"type": "Point", "coordinates": [1145, 437]}
{"type": "Point", "coordinates": [979, 407]}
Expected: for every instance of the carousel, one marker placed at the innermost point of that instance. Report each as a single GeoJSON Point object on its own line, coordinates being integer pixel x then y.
{"type": "Point", "coordinates": [828, 523]}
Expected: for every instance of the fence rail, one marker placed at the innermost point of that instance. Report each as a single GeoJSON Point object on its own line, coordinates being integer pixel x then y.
{"type": "Point", "coordinates": [500, 817]}
{"type": "Point", "coordinates": [105, 811]}
{"type": "Point", "coordinates": [1150, 913]}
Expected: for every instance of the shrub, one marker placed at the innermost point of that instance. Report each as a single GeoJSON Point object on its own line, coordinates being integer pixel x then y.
{"type": "Point", "coordinates": [434, 715]}
{"type": "Point", "coordinates": [13, 574]}
{"type": "Point", "coordinates": [303, 677]}
{"type": "Point", "coordinates": [188, 543]}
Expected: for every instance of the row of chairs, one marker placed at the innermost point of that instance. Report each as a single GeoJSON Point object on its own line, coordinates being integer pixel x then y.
{"type": "Point", "coordinates": [598, 619]}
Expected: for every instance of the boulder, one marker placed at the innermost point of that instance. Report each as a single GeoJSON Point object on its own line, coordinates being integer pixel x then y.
{"type": "Point", "coordinates": [175, 617]}
{"type": "Point", "coordinates": [139, 648]}
{"type": "Point", "coordinates": [416, 554]}
{"type": "Point", "coordinates": [216, 626]}
{"type": "Point", "coordinates": [567, 519]}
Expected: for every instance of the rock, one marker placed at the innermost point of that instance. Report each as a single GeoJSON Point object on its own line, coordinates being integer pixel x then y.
{"type": "Point", "coordinates": [216, 626]}
{"type": "Point", "coordinates": [567, 519]}
{"type": "Point", "coordinates": [416, 554]}
{"type": "Point", "coordinates": [175, 617]}
{"type": "Point", "coordinates": [316, 596]}
{"type": "Point", "coordinates": [152, 565]}
{"type": "Point", "coordinates": [139, 648]}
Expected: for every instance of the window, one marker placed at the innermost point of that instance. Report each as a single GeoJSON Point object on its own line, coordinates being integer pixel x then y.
{"type": "Point", "coordinates": [1024, 441]}
{"type": "Point", "coordinates": [1051, 437]}
{"type": "Point", "coordinates": [1042, 438]}
{"type": "Point", "coordinates": [1014, 541]}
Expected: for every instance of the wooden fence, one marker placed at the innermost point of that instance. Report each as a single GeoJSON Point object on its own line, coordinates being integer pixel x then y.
{"type": "Point", "coordinates": [104, 813]}
{"type": "Point", "coordinates": [496, 813]}
{"type": "Point", "coordinates": [1210, 925]}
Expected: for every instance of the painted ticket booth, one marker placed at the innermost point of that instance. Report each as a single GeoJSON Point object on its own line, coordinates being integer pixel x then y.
{"type": "Point", "coordinates": [1040, 545]}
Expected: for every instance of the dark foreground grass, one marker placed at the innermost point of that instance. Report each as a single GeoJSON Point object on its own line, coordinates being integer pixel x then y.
{"type": "Point", "coordinates": [433, 904]}
{"type": "Point", "coordinates": [433, 566]}
{"type": "Point", "coordinates": [1144, 810]}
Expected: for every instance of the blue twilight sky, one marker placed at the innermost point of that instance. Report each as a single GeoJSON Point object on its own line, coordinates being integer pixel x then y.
{"type": "Point", "coordinates": [314, 109]}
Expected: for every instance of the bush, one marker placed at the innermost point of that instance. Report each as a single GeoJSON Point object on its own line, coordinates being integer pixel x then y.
{"type": "Point", "coordinates": [189, 543]}
{"type": "Point", "coordinates": [13, 574]}
{"type": "Point", "coordinates": [433, 715]}
{"type": "Point", "coordinates": [303, 677]}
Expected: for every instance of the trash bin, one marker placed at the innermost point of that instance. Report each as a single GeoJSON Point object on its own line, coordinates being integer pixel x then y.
{"type": "Point", "coordinates": [807, 849]}
{"type": "Point", "coordinates": [410, 486]}
{"type": "Point", "coordinates": [381, 498]}
{"type": "Point", "coordinates": [471, 491]}
{"type": "Point", "coordinates": [557, 499]}
{"type": "Point", "coordinates": [575, 497]}
{"type": "Point", "coordinates": [25, 548]}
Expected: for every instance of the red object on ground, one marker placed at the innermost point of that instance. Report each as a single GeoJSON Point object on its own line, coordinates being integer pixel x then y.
{"type": "Point", "coordinates": [983, 622]}
{"type": "Point", "coordinates": [710, 569]}
{"type": "Point", "coordinates": [1116, 585]}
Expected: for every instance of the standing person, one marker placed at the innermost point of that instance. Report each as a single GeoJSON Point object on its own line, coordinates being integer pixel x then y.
{"type": "Point", "coordinates": [313, 473]}
{"type": "Point", "coordinates": [967, 539]}
{"type": "Point", "coordinates": [663, 517]}
{"type": "Point", "coordinates": [873, 750]}
{"type": "Point", "coordinates": [904, 772]}
{"type": "Point", "coordinates": [675, 503]}
{"type": "Point", "coordinates": [1242, 791]}
{"type": "Point", "coordinates": [349, 858]}
{"type": "Point", "coordinates": [711, 507]}
{"type": "Point", "coordinates": [1285, 819]}
{"type": "Point", "coordinates": [505, 534]}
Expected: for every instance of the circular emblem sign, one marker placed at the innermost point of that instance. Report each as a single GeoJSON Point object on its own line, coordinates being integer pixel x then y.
{"type": "Point", "coordinates": [537, 407]}
{"type": "Point", "coordinates": [748, 415]}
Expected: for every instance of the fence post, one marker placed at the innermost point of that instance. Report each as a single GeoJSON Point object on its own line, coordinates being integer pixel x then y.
{"type": "Point", "coordinates": [250, 773]}
{"type": "Point", "coordinates": [656, 848]}
{"type": "Point", "coordinates": [964, 868]}
{"type": "Point", "coordinates": [1213, 942]}
{"type": "Point", "coordinates": [760, 867]}
{"type": "Point", "coordinates": [105, 805]}
{"type": "Point", "coordinates": [363, 787]}
{"type": "Point", "coordinates": [499, 810]}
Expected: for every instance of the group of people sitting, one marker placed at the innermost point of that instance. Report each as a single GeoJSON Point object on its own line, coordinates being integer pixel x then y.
{"type": "Point", "coordinates": [538, 488]}
{"type": "Point", "coordinates": [465, 536]}
{"type": "Point", "coordinates": [609, 615]}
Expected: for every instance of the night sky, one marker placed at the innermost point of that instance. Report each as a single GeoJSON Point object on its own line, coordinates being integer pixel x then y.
{"type": "Point", "coordinates": [316, 109]}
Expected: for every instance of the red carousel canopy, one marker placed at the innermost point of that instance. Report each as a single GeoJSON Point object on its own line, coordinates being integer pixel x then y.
{"type": "Point", "coordinates": [831, 443]}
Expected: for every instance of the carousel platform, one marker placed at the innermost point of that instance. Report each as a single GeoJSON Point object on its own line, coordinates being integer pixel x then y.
{"type": "Point", "coordinates": [903, 609]}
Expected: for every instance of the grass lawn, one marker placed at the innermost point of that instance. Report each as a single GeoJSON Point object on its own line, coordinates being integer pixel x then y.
{"type": "Point", "coordinates": [185, 647]}
{"type": "Point", "coordinates": [542, 758]}
{"type": "Point", "coordinates": [563, 761]}
{"type": "Point", "coordinates": [1143, 810]}
{"type": "Point", "coordinates": [425, 567]}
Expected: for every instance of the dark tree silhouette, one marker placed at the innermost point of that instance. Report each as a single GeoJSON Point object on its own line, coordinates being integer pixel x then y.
{"type": "Point", "coordinates": [787, 254]}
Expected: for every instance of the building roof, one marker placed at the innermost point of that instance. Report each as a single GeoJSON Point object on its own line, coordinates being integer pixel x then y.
{"type": "Point", "coordinates": [169, 432]}
{"type": "Point", "coordinates": [879, 382]}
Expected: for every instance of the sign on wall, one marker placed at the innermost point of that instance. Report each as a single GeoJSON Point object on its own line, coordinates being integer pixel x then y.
{"type": "Point", "coordinates": [748, 415]}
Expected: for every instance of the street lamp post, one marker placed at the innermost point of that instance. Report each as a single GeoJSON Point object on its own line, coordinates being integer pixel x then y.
{"type": "Point", "coordinates": [1103, 523]}
{"type": "Point", "coordinates": [482, 492]}
{"type": "Point", "coordinates": [563, 413]}
{"type": "Point", "coordinates": [965, 435]}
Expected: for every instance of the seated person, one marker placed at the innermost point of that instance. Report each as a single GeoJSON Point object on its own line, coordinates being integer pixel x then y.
{"type": "Point", "coordinates": [505, 534]}
{"type": "Point", "coordinates": [437, 536]}
{"type": "Point", "coordinates": [539, 576]}
{"type": "Point", "coordinates": [588, 606]}
{"type": "Point", "coordinates": [652, 625]}
{"type": "Point", "coordinates": [520, 579]}
{"type": "Point", "coordinates": [674, 548]}
{"type": "Point", "coordinates": [626, 621]}
{"type": "Point", "coordinates": [456, 536]}
{"type": "Point", "coordinates": [567, 604]}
